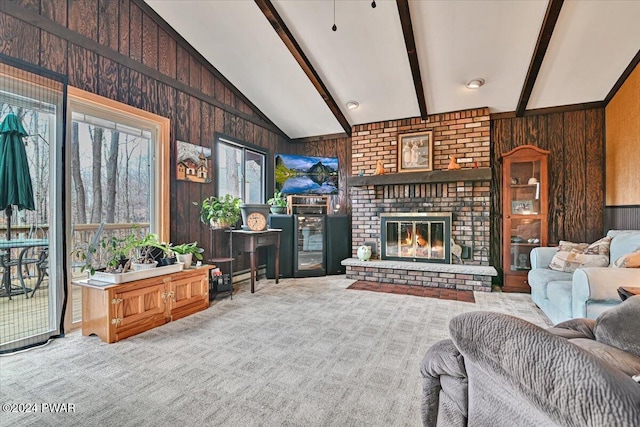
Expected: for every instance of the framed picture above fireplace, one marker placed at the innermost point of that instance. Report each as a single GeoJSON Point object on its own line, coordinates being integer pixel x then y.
{"type": "Point", "coordinates": [415, 152]}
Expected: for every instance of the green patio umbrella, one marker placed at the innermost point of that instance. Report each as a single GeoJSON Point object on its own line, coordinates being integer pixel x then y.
{"type": "Point", "coordinates": [15, 179]}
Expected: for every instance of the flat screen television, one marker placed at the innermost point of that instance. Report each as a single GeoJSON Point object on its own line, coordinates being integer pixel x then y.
{"type": "Point", "coordinates": [306, 174]}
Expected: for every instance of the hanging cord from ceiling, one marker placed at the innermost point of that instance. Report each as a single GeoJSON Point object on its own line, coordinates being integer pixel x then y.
{"type": "Point", "coordinates": [335, 27]}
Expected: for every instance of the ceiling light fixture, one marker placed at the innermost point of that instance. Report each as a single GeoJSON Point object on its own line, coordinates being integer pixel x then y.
{"type": "Point", "coordinates": [352, 105]}
{"type": "Point", "coordinates": [373, 4]}
{"type": "Point", "coordinates": [475, 83]}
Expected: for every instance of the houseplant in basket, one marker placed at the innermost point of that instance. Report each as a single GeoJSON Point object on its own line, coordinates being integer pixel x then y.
{"type": "Point", "coordinates": [186, 252]}
{"type": "Point", "coordinates": [278, 203]}
{"type": "Point", "coordinates": [220, 212]}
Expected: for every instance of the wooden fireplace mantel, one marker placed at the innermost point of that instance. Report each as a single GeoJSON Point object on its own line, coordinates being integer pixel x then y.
{"type": "Point", "coordinates": [479, 174]}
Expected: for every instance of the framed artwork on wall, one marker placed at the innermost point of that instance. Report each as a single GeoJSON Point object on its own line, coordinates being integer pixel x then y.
{"type": "Point", "coordinates": [415, 152]}
{"type": "Point", "coordinates": [193, 162]}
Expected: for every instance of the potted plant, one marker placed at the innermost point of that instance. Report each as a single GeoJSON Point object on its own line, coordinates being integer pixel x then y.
{"type": "Point", "coordinates": [186, 252]}
{"type": "Point", "coordinates": [220, 212]}
{"type": "Point", "coordinates": [278, 203]}
{"type": "Point", "coordinates": [114, 252]}
{"type": "Point", "coordinates": [146, 250]}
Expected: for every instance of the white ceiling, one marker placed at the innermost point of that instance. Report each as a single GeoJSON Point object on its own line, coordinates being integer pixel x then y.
{"type": "Point", "coordinates": [365, 59]}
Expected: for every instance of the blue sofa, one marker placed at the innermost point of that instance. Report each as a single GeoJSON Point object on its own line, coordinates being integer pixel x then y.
{"type": "Point", "coordinates": [587, 292]}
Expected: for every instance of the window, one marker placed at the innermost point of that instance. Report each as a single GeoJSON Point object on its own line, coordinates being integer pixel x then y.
{"type": "Point", "coordinates": [118, 174]}
{"type": "Point", "coordinates": [111, 171]}
{"type": "Point", "coordinates": [119, 164]}
{"type": "Point", "coordinates": [240, 171]}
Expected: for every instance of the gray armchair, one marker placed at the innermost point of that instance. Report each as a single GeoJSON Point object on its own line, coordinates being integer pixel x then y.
{"type": "Point", "coordinates": [498, 370]}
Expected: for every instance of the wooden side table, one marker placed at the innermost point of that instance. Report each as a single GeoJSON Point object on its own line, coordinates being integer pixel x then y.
{"type": "Point", "coordinates": [250, 241]}
{"type": "Point", "coordinates": [628, 291]}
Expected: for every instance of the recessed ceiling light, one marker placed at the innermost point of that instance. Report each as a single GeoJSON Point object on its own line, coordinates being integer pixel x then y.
{"type": "Point", "coordinates": [352, 105]}
{"type": "Point", "coordinates": [475, 83]}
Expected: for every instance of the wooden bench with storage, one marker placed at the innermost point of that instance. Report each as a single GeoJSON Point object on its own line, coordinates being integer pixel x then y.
{"type": "Point", "coordinates": [117, 311]}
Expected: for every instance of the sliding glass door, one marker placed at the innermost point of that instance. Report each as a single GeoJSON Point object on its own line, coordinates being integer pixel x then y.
{"type": "Point", "coordinates": [31, 249]}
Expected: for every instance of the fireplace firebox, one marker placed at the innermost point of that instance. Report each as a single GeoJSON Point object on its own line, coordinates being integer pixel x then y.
{"type": "Point", "coordinates": [416, 236]}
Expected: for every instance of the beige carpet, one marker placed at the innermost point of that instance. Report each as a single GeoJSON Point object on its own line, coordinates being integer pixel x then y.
{"type": "Point", "coordinates": [305, 352]}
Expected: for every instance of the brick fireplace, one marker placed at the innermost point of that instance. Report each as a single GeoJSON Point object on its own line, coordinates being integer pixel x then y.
{"type": "Point", "coordinates": [463, 193]}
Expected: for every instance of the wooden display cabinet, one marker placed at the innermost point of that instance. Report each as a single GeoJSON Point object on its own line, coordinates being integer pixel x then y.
{"type": "Point", "coordinates": [117, 311]}
{"type": "Point", "coordinates": [525, 208]}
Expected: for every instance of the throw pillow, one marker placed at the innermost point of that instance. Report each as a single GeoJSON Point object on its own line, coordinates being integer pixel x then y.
{"type": "Point", "coordinates": [571, 256]}
{"type": "Point", "coordinates": [618, 326]}
{"type": "Point", "coordinates": [631, 260]}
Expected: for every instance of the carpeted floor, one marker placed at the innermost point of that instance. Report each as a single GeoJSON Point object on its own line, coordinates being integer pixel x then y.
{"type": "Point", "coordinates": [305, 352]}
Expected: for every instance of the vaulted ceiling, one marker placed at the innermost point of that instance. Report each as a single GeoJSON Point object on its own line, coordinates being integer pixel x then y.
{"type": "Point", "coordinates": [285, 58]}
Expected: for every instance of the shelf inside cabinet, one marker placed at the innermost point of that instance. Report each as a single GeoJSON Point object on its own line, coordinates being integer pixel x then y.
{"type": "Point", "coordinates": [295, 203]}
{"type": "Point", "coordinates": [525, 185]}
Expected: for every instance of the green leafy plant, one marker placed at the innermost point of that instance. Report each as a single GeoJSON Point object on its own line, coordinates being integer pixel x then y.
{"type": "Point", "coordinates": [223, 210]}
{"type": "Point", "coordinates": [115, 251]}
{"type": "Point", "coordinates": [278, 199]}
{"type": "Point", "coordinates": [85, 257]}
{"type": "Point", "coordinates": [188, 248]}
{"type": "Point", "coordinates": [143, 248]}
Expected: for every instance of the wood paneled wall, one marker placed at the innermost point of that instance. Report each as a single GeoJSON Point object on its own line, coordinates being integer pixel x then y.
{"type": "Point", "coordinates": [339, 147]}
{"type": "Point", "coordinates": [116, 49]}
{"type": "Point", "coordinates": [623, 144]}
{"type": "Point", "coordinates": [576, 172]}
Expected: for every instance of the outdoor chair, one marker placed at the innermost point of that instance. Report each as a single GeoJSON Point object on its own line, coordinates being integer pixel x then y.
{"type": "Point", "coordinates": [6, 264]}
{"type": "Point", "coordinates": [31, 255]}
{"type": "Point", "coordinates": [42, 267]}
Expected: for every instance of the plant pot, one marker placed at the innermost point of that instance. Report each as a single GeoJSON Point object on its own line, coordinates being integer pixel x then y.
{"type": "Point", "coordinates": [278, 209]}
{"type": "Point", "coordinates": [220, 224]}
{"type": "Point", "coordinates": [139, 267]}
{"type": "Point", "coordinates": [166, 261]}
{"type": "Point", "coordinates": [186, 259]}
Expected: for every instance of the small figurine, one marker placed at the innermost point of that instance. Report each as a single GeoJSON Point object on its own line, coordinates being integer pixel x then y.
{"type": "Point", "coordinates": [453, 164]}
{"type": "Point", "coordinates": [380, 168]}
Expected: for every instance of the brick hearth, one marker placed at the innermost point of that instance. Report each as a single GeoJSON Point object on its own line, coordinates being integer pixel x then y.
{"type": "Point", "coordinates": [451, 276]}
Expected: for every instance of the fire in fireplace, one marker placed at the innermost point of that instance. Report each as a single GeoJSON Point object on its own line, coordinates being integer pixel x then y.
{"type": "Point", "coordinates": [423, 237]}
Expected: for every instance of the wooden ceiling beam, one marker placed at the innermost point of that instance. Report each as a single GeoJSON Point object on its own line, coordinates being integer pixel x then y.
{"type": "Point", "coordinates": [281, 29]}
{"type": "Point", "coordinates": [548, 25]}
{"type": "Point", "coordinates": [410, 44]}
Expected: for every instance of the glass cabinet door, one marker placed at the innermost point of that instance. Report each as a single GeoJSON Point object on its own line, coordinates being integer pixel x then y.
{"type": "Point", "coordinates": [310, 243]}
{"type": "Point", "coordinates": [525, 235]}
{"type": "Point", "coordinates": [525, 207]}
{"type": "Point", "coordinates": [525, 188]}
